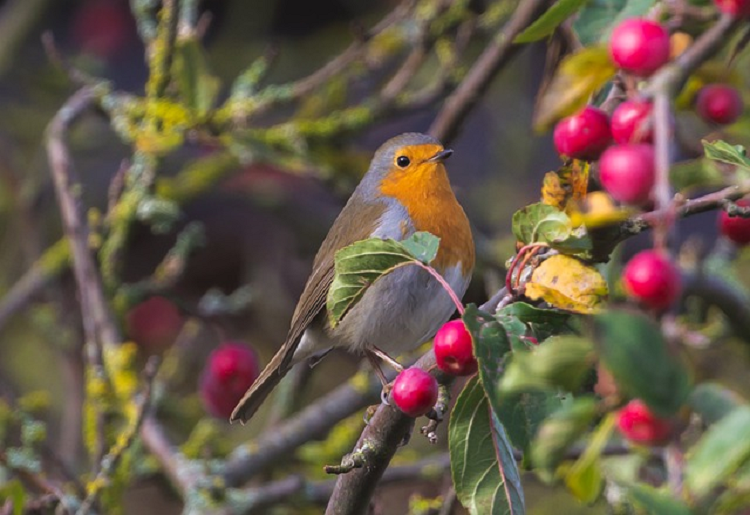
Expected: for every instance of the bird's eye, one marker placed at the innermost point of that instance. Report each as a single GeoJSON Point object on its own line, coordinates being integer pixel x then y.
{"type": "Point", "coordinates": [402, 161]}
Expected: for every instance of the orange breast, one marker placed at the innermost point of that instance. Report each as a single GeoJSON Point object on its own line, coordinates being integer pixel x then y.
{"type": "Point", "coordinates": [428, 198]}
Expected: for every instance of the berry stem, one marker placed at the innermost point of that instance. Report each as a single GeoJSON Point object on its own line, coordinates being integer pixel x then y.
{"type": "Point", "coordinates": [447, 287]}
{"type": "Point", "coordinates": [521, 254]}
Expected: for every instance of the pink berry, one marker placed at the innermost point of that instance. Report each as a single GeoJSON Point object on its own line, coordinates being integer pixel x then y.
{"type": "Point", "coordinates": [154, 324]}
{"type": "Point", "coordinates": [719, 103]}
{"type": "Point", "coordinates": [415, 392]}
{"type": "Point", "coordinates": [583, 135]}
{"type": "Point", "coordinates": [736, 228]}
{"type": "Point", "coordinates": [631, 122]}
{"type": "Point", "coordinates": [639, 46]}
{"type": "Point", "coordinates": [638, 424]}
{"type": "Point", "coordinates": [627, 172]}
{"type": "Point", "coordinates": [454, 351]}
{"type": "Point", "coordinates": [103, 27]}
{"type": "Point", "coordinates": [651, 278]}
{"type": "Point", "coordinates": [231, 369]}
{"type": "Point", "coordinates": [738, 8]}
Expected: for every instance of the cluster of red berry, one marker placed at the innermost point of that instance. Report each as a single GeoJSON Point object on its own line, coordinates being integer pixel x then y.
{"type": "Point", "coordinates": [623, 146]}
{"type": "Point", "coordinates": [415, 391]}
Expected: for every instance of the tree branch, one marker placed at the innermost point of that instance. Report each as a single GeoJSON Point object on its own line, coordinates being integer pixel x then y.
{"type": "Point", "coordinates": [490, 62]}
{"type": "Point", "coordinates": [314, 422]}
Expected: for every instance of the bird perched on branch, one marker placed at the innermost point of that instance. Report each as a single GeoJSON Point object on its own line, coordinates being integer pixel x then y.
{"type": "Point", "coordinates": [405, 190]}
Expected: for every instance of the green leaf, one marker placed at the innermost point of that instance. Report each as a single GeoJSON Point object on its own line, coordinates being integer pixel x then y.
{"type": "Point", "coordinates": [634, 350]}
{"type": "Point", "coordinates": [542, 223]}
{"type": "Point", "coordinates": [719, 453]}
{"type": "Point", "coordinates": [713, 402]}
{"type": "Point", "coordinates": [597, 19]}
{"type": "Point", "coordinates": [493, 338]}
{"type": "Point", "coordinates": [560, 362]}
{"type": "Point", "coordinates": [14, 492]}
{"type": "Point", "coordinates": [196, 86]}
{"type": "Point", "coordinates": [485, 475]}
{"type": "Point", "coordinates": [559, 431]}
{"type": "Point", "coordinates": [526, 221]}
{"type": "Point", "coordinates": [695, 173]}
{"type": "Point", "coordinates": [543, 322]}
{"type": "Point", "coordinates": [423, 246]}
{"type": "Point", "coordinates": [579, 76]}
{"type": "Point", "coordinates": [655, 501]}
{"type": "Point", "coordinates": [548, 22]}
{"type": "Point", "coordinates": [359, 265]}
{"type": "Point", "coordinates": [584, 478]}
{"type": "Point", "coordinates": [722, 151]}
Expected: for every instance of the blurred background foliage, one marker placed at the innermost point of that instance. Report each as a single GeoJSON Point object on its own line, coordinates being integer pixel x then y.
{"type": "Point", "coordinates": [260, 224]}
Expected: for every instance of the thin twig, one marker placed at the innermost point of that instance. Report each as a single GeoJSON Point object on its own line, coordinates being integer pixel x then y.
{"type": "Point", "coordinates": [125, 441]}
{"type": "Point", "coordinates": [492, 59]}
{"type": "Point", "coordinates": [314, 422]}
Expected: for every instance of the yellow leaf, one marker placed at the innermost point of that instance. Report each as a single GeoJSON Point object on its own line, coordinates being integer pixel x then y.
{"type": "Point", "coordinates": [567, 186]}
{"type": "Point", "coordinates": [678, 43]}
{"type": "Point", "coordinates": [567, 283]}
{"type": "Point", "coordinates": [579, 76]}
{"type": "Point", "coordinates": [596, 210]}
{"type": "Point", "coordinates": [576, 179]}
{"type": "Point", "coordinates": [553, 192]}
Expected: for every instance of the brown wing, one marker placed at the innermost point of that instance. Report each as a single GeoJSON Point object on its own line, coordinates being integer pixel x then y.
{"type": "Point", "coordinates": [352, 225]}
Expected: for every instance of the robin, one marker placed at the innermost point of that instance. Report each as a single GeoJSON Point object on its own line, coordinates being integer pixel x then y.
{"type": "Point", "coordinates": [405, 190]}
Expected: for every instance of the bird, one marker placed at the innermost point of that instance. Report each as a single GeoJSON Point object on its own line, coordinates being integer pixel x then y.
{"type": "Point", "coordinates": [405, 190]}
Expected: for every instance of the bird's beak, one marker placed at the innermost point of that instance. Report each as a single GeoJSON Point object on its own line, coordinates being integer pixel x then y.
{"type": "Point", "coordinates": [441, 156]}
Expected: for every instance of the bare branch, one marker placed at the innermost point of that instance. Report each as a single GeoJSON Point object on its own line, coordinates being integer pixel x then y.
{"type": "Point", "coordinates": [494, 57]}
{"type": "Point", "coordinates": [314, 422]}
{"type": "Point", "coordinates": [125, 441]}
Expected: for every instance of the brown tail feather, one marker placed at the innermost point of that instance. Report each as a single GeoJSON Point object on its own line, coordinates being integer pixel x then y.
{"type": "Point", "coordinates": [274, 372]}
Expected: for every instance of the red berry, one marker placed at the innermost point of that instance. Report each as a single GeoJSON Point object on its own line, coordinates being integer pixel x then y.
{"type": "Point", "coordinates": [583, 135]}
{"type": "Point", "coordinates": [103, 27]}
{"type": "Point", "coordinates": [737, 8]}
{"type": "Point", "coordinates": [719, 103]}
{"type": "Point", "coordinates": [415, 392]}
{"type": "Point", "coordinates": [631, 122]}
{"type": "Point", "coordinates": [653, 279]}
{"type": "Point", "coordinates": [639, 46]}
{"type": "Point", "coordinates": [627, 172]}
{"type": "Point", "coordinates": [454, 351]}
{"type": "Point", "coordinates": [638, 424]}
{"type": "Point", "coordinates": [154, 323]}
{"type": "Point", "coordinates": [736, 228]}
{"type": "Point", "coordinates": [231, 369]}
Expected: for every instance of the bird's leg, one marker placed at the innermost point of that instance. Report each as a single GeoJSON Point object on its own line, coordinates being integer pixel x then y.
{"type": "Point", "coordinates": [385, 357]}
{"type": "Point", "coordinates": [372, 358]}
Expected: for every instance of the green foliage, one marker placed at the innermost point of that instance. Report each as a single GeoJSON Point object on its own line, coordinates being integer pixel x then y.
{"type": "Point", "coordinates": [713, 402]}
{"type": "Point", "coordinates": [359, 265]}
{"type": "Point", "coordinates": [724, 152]}
{"type": "Point", "coordinates": [559, 431]}
{"type": "Point", "coordinates": [579, 76]}
{"type": "Point", "coordinates": [636, 353]}
{"type": "Point", "coordinates": [14, 493]}
{"type": "Point", "coordinates": [548, 22]}
{"type": "Point", "coordinates": [719, 452]}
{"type": "Point", "coordinates": [651, 500]}
{"type": "Point", "coordinates": [584, 478]}
{"type": "Point", "coordinates": [197, 87]}
{"type": "Point", "coordinates": [560, 362]}
{"type": "Point", "coordinates": [598, 17]}
{"type": "Point", "coordinates": [540, 223]}
{"type": "Point", "coordinates": [485, 473]}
